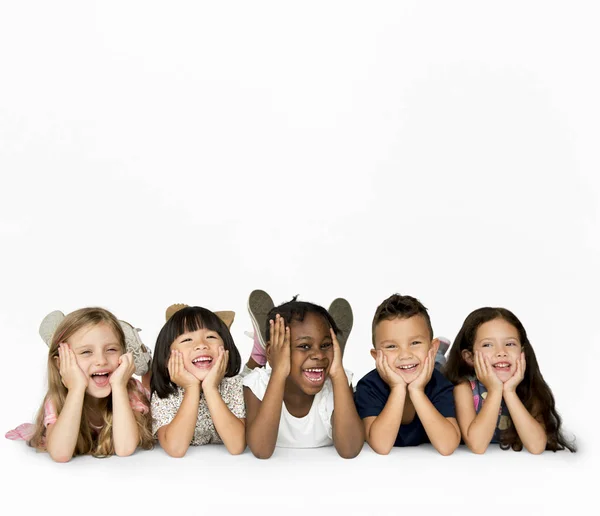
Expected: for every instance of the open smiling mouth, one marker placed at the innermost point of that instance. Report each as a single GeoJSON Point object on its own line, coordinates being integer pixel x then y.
{"type": "Point", "coordinates": [314, 374]}
{"type": "Point", "coordinates": [101, 378]}
{"type": "Point", "coordinates": [203, 362]}
{"type": "Point", "coordinates": [408, 368]}
{"type": "Point", "coordinates": [502, 366]}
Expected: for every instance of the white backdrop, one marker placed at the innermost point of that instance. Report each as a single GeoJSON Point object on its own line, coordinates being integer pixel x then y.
{"type": "Point", "coordinates": [162, 152]}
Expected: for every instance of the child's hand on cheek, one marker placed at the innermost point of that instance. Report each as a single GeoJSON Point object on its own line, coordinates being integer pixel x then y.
{"type": "Point", "coordinates": [178, 373]}
{"type": "Point", "coordinates": [485, 373]}
{"type": "Point", "coordinates": [388, 375]}
{"type": "Point", "coordinates": [122, 374]}
{"type": "Point", "coordinates": [419, 383]}
{"type": "Point", "coordinates": [72, 376]}
{"type": "Point", "coordinates": [336, 369]}
{"type": "Point", "coordinates": [217, 371]}
{"type": "Point", "coordinates": [511, 384]}
{"type": "Point", "coordinates": [280, 346]}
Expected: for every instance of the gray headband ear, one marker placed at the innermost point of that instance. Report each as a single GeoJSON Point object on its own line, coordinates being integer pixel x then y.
{"type": "Point", "coordinates": [49, 325]}
{"type": "Point", "coordinates": [142, 357]}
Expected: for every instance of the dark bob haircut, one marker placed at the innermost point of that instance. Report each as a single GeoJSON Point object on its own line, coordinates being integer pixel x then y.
{"type": "Point", "coordinates": [295, 310]}
{"type": "Point", "coordinates": [191, 318]}
{"type": "Point", "coordinates": [400, 307]}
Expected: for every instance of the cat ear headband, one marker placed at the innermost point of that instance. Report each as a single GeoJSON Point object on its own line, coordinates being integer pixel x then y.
{"type": "Point", "coordinates": [142, 358]}
{"type": "Point", "coordinates": [226, 316]}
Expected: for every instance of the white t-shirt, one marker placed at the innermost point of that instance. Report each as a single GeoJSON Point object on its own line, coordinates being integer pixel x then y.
{"type": "Point", "coordinates": [311, 431]}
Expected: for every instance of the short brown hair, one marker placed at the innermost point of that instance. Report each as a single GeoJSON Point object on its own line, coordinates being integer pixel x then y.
{"type": "Point", "coordinates": [400, 307]}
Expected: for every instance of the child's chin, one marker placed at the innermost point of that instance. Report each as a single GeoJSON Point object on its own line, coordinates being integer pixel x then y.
{"type": "Point", "coordinates": [99, 392]}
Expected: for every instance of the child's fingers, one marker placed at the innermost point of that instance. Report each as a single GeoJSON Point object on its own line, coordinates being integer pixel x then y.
{"type": "Point", "coordinates": [477, 365]}
{"type": "Point", "coordinates": [180, 360]}
{"type": "Point", "coordinates": [176, 365]}
{"type": "Point", "coordinates": [170, 366]}
{"type": "Point", "coordinates": [274, 333]}
{"type": "Point", "coordinates": [378, 364]}
{"type": "Point", "coordinates": [385, 366]}
{"type": "Point", "coordinates": [286, 337]}
{"type": "Point", "coordinates": [281, 331]}
{"type": "Point", "coordinates": [336, 344]}
{"type": "Point", "coordinates": [523, 363]}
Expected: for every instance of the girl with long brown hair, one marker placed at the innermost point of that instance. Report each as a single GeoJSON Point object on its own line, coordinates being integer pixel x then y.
{"type": "Point", "coordinates": [500, 394]}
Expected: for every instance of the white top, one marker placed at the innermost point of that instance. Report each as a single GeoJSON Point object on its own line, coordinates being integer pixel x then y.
{"type": "Point", "coordinates": [311, 431]}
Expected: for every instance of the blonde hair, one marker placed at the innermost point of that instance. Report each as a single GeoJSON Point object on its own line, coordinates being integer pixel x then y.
{"type": "Point", "coordinates": [87, 443]}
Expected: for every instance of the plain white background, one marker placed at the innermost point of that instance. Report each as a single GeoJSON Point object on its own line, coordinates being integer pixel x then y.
{"type": "Point", "coordinates": [162, 152]}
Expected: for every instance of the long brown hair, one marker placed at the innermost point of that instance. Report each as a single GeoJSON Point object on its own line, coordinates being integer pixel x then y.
{"type": "Point", "coordinates": [87, 441]}
{"type": "Point", "coordinates": [533, 391]}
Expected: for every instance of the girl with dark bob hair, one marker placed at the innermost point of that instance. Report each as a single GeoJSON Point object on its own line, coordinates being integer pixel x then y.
{"type": "Point", "coordinates": [197, 394]}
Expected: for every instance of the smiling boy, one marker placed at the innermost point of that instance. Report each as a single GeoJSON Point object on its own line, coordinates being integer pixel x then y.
{"type": "Point", "coordinates": [405, 401]}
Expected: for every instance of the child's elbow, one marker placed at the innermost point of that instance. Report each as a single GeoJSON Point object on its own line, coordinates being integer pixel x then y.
{"type": "Point", "coordinates": [60, 457]}
{"type": "Point", "coordinates": [380, 450]}
{"type": "Point", "coordinates": [478, 449]}
{"type": "Point", "coordinates": [237, 450]}
{"type": "Point", "coordinates": [446, 450]}
{"type": "Point", "coordinates": [350, 450]}
{"type": "Point", "coordinates": [262, 454]}
{"type": "Point", "coordinates": [537, 449]}
{"type": "Point", "coordinates": [124, 452]}
{"type": "Point", "coordinates": [349, 454]}
{"type": "Point", "coordinates": [259, 452]}
{"type": "Point", "coordinates": [176, 453]}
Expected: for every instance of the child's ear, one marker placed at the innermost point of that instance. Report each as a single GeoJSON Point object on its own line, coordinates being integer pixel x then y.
{"type": "Point", "coordinates": [467, 357]}
{"type": "Point", "coordinates": [435, 344]}
{"type": "Point", "coordinates": [374, 354]}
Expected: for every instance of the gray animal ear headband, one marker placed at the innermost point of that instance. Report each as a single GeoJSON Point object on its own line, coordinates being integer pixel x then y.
{"type": "Point", "coordinates": [142, 357]}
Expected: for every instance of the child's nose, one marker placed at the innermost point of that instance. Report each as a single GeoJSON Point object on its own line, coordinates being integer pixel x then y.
{"type": "Point", "coordinates": [318, 354]}
{"type": "Point", "coordinates": [201, 345]}
{"type": "Point", "coordinates": [101, 359]}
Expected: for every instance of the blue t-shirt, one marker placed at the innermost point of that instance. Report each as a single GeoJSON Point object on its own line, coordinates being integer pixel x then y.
{"type": "Point", "coordinates": [372, 394]}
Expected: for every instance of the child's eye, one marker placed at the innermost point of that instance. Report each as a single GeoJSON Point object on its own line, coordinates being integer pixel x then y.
{"type": "Point", "coordinates": [86, 352]}
{"type": "Point", "coordinates": [303, 346]}
{"type": "Point", "coordinates": [211, 336]}
{"type": "Point", "coordinates": [185, 340]}
{"type": "Point", "coordinates": [486, 345]}
{"type": "Point", "coordinates": [112, 349]}
{"type": "Point", "coordinates": [511, 343]}
{"type": "Point", "coordinates": [390, 346]}
{"type": "Point", "coordinates": [326, 345]}
{"type": "Point", "coordinates": [415, 342]}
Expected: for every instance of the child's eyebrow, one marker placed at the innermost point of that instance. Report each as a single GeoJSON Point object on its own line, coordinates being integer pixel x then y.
{"type": "Point", "coordinates": [416, 337]}
{"type": "Point", "coordinates": [305, 337]}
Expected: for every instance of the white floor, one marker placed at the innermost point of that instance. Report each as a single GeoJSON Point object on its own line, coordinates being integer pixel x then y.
{"type": "Point", "coordinates": [300, 482]}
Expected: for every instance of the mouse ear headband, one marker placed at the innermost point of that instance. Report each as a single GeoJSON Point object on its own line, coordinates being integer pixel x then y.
{"type": "Point", "coordinates": [226, 316]}
{"type": "Point", "coordinates": [142, 358]}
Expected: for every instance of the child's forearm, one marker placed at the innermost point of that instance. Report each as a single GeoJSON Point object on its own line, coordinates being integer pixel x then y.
{"type": "Point", "coordinates": [382, 433]}
{"type": "Point", "coordinates": [126, 436]}
{"type": "Point", "coordinates": [231, 430]}
{"type": "Point", "coordinates": [442, 434]}
{"type": "Point", "coordinates": [532, 433]}
{"type": "Point", "coordinates": [481, 430]}
{"type": "Point", "coordinates": [179, 433]}
{"type": "Point", "coordinates": [262, 431]}
{"type": "Point", "coordinates": [61, 437]}
{"type": "Point", "coordinates": [348, 430]}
